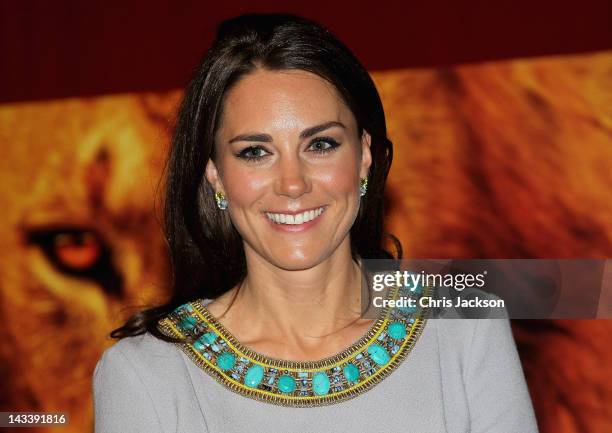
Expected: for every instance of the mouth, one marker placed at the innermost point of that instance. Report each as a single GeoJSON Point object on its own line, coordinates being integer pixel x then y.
{"type": "Point", "coordinates": [295, 219]}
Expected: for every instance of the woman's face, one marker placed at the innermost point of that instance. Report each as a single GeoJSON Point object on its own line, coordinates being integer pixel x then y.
{"type": "Point", "coordinates": [289, 160]}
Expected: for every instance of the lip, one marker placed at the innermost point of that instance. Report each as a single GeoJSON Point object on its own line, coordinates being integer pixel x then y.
{"type": "Point", "coordinates": [292, 228]}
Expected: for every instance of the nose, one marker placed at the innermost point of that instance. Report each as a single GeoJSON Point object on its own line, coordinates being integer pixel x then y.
{"type": "Point", "coordinates": [292, 180]}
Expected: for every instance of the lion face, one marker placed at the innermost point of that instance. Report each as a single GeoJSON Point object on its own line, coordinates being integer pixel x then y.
{"type": "Point", "coordinates": [81, 239]}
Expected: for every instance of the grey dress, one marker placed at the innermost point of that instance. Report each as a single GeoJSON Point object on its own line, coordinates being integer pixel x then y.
{"type": "Point", "coordinates": [462, 375]}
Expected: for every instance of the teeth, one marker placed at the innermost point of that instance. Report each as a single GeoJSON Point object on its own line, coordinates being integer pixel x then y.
{"type": "Point", "coordinates": [280, 218]}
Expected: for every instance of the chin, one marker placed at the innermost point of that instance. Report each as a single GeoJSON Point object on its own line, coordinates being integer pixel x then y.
{"type": "Point", "coordinates": [292, 262]}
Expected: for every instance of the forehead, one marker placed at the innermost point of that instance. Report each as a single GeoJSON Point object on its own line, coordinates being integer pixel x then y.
{"type": "Point", "coordinates": [282, 99]}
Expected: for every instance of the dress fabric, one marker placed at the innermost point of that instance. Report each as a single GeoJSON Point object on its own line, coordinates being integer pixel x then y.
{"type": "Point", "coordinates": [462, 375]}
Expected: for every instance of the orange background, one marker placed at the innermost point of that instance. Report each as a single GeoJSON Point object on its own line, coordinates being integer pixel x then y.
{"type": "Point", "coordinates": [493, 159]}
{"type": "Point", "coordinates": [502, 159]}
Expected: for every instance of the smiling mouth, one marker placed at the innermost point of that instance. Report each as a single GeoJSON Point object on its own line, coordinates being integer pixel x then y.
{"type": "Point", "coordinates": [301, 218]}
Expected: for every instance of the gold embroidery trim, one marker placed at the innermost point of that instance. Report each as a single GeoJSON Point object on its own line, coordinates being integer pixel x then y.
{"type": "Point", "coordinates": [284, 366]}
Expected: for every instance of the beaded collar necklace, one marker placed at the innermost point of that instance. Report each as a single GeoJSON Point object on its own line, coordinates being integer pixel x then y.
{"type": "Point", "coordinates": [296, 383]}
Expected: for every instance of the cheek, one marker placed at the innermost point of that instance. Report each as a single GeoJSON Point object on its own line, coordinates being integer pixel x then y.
{"type": "Point", "coordinates": [244, 186]}
{"type": "Point", "coordinates": [340, 178]}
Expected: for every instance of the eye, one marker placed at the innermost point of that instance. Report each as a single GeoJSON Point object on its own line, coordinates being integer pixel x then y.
{"type": "Point", "coordinates": [252, 153]}
{"type": "Point", "coordinates": [323, 144]}
{"type": "Point", "coordinates": [78, 252]}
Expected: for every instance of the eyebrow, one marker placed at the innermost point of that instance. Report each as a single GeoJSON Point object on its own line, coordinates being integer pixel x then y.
{"type": "Point", "coordinates": [308, 132]}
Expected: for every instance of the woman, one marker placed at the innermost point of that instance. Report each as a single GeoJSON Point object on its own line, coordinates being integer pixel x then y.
{"type": "Point", "coordinates": [274, 196]}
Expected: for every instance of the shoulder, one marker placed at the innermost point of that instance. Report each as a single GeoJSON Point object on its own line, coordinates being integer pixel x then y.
{"type": "Point", "coordinates": [464, 330]}
{"type": "Point", "coordinates": [144, 359]}
{"type": "Point", "coordinates": [465, 340]}
{"type": "Point", "coordinates": [135, 384]}
{"type": "Point", "coordinates": [143, 345]}
{"type": "Point", "coordinates": [138, 348]}
{"type": "Point", "coordinates": [481, 367]}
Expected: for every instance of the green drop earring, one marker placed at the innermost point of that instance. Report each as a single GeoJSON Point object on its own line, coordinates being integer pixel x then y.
{"type": "Point", "coordinates": [363, 186]}
{"type": "Point", "coordinates": [221, 200]}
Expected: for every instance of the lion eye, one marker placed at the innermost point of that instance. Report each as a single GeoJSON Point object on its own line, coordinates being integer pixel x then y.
{"type": "Point", "coordinates": [78, 252]}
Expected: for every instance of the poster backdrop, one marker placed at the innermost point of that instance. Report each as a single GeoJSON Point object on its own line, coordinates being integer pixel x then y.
{"type": "Point", "coordinates": [504, 159]}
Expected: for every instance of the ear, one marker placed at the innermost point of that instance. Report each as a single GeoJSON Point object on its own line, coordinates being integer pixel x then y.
{"type": "Point", "coordinates": [366, 154]}
{"type": "Point", "coordinates": [212, 176]}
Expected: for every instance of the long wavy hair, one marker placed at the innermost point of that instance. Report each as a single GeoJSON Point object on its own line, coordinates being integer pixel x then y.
{"type": "Point", "coordinates": [206, 251]}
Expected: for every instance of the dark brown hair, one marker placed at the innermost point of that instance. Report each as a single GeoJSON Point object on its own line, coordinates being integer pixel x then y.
{"type": "Point", "coordinates": [207, 254]}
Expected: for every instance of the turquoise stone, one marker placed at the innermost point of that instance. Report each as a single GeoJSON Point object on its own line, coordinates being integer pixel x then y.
{"type": "Point", "coordinates": [286, 384]}
{"type": "Point", "coordinates": [209, 337]}
{"type": "Point", "coordinates": [185, 308]}
{"type": "Point", "coordinates": [226, 361]}
{"type": "Point", "coordinates": [351, 372]}
{"type": "Point", "coordinates": [320, 383]}
{"type": "Point", "coordinates": [254, 376]}
{"type": "Point", "coordinates": [188, 323]}
{"type": "Point", "coordinates": [397, 330]}
{"type": "Point", "coordinates": [414, 288]}
{"type": "Point", "coordinates": [378, 354]}
{"type": "Point", "coordinates": [205, 339]}
{"type": "Point", "coordinates": [198, 345]}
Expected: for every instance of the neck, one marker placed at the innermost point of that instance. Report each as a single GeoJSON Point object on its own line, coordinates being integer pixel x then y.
{"type": "Point", "coordinates": [298, 307]}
